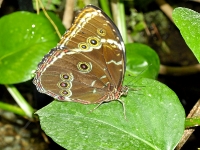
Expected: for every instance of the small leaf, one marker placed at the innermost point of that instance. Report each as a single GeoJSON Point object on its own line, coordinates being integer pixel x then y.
{"type": "Point", "coordinates": [155, 120]}
{"type": "Point", "coordinates": [188, 22]}
{"type": "Point", "coordinates": [142, 60]}
{"type": "Point", "coordinates": [25, 38]}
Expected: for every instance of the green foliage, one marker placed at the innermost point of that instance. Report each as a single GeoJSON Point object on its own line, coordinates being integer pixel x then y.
{"type": "Point", "coordinates": [188, 23]}
{"type": "Point", "coordinates": [155, 117]}
{"type": "Point", "coordinates": [25, 38]}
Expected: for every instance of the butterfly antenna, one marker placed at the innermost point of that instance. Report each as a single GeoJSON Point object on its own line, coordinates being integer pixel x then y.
{"type": "Point", "coordinates": [138, 76]}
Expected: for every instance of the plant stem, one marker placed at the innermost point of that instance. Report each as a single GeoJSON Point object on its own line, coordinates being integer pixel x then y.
{"type": "Point", "coordinates": [11, 108]}
{"type": "Point", "coordinates": [105, 7]}
{"type": "Point", "coordinates": [119, 18]}
{"type": "Point", "coordinates": [122, 21]}
{"type": "Point", "coordinates": [28, 110]}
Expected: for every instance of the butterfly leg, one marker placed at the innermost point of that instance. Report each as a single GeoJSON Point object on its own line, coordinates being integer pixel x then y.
{"type": "Point", "coordinates": [95, 107]}
{"type": "Point", "coordinates": [123, 105]}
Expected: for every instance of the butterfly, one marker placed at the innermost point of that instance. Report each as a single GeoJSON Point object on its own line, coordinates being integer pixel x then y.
{"type": "Point", "coordinates": [88, 64]}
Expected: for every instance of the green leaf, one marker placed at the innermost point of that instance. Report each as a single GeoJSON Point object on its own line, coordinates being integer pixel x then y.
{"type": "Point", "coordinates": [188, 23]}
{"type": "Point", "coordinates": [142, 60]}
{"type": "Point", "coordinates": [25, 38]}
{"type": "Point", "coordinates": [155, 120]}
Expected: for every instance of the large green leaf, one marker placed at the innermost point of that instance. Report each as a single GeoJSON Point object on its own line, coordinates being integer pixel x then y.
{"type": "Point", "coordinates": [155, 117]}
{"type": "Point", "coordinates": [188, 22]}
{"type": "Point", "coordinates": [25, 38]}
{"type": "Point", "coordinates": [155, 120]}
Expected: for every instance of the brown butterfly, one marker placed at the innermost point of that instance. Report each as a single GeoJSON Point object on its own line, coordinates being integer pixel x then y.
{"type": "Point", "coordinates": [88, 65]}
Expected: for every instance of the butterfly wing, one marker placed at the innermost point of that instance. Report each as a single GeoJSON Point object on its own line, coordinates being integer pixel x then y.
{"type": "Point", "coordinates": [88, 63]}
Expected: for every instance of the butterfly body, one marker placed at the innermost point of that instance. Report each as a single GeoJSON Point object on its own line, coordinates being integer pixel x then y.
{"type": "Point", "coordinates": [88, 65]}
